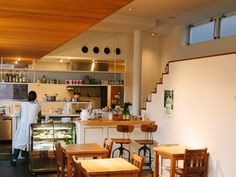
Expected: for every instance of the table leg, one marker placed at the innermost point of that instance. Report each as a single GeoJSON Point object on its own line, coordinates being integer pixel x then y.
{"type": "Point", "coordinates": [156, 164]}
{"type": "Point", "coordinates": [172, 166]}
{"type": "Point", "coordinates": [69, 166]}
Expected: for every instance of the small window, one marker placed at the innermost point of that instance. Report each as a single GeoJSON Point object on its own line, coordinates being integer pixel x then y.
{"type": "Point", "coordinates": [203, 32]}
{"type": "Point", "coordinates": [228, 26]}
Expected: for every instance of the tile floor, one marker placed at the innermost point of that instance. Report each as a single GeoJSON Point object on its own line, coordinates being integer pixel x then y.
{"type": "Point", "coordinates": [22, 170]}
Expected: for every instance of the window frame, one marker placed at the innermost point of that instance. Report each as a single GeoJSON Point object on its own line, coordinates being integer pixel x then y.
{"type": "Point", "coordinates": [199, 24]}
{"type": "Point", "coordinates": [217, 27]}
{"type": "Point", "coordinates": [220, 21]}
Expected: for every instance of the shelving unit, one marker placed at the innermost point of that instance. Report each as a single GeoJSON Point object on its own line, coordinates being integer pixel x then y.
{"type": "Point", "coordinates": [66, 71]}
{"type": "Point", "coordinates": [58, 75]}
{"type": "Point", "coordinates": [34, 76]}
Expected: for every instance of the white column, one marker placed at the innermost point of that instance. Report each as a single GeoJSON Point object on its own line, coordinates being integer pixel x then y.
{"type": "Point", "coordinates": [137, 62]}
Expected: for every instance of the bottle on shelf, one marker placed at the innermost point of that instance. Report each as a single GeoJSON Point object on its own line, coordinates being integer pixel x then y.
{"type": "Point", "coordinates": [17, 77]}
{"type": "Point", "coordinates": [7, 77]}
{"type": "Point", "coordinates": [20, 78]}
{"type": "Point", "coordinates": [24, 78]}
{"type": "Point", "coordinates": [44, 79]}
{"type": "Point", "coordinates": [10, 76]}
{"type": "Point", "coordinates": [14, 77]}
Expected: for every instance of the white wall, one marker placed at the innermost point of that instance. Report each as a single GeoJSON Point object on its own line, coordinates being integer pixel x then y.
{"type": "Point", "coordinates": [150, 65]}
{"type": "Point", "coordinates": [204, 109]}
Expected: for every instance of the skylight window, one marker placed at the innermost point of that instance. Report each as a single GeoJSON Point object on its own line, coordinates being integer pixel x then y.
{"type": "Point", "coordinates": [228, 26]}
{"type": "Point", "coordinates": [203, 32]}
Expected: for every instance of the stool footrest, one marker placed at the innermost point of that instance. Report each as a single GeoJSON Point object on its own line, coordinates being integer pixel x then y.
{"type": "Point", "coordinates": [144, 141]}
{"type": "Point", "coordinates": [122, 140]}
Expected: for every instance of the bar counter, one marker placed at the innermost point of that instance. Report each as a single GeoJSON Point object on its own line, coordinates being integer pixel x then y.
{"type": "Point", "coordinates": [95, 131]}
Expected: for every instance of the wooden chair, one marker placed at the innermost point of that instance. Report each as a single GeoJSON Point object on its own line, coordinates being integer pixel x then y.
{"type": "Point", "coordinates": [60, 158]}
{"type": "Point", "coordinates": [108, 145]}
{"type": "Point", "coordinates": [77, 167]}
{"type": "Point", "coordinates": [126, 130]}
{"type": "Point", "coordinates": [195, 163]}
{"type": "Point", "coordinates": [147, 142]}
{"type": "Point", "coordinates": [138, 162]}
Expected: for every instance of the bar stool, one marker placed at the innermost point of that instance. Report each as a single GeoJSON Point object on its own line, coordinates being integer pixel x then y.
{"type": "Point", "coordinates": [126, 130]}
{"type": "Point", "coordinates": [145, 149]}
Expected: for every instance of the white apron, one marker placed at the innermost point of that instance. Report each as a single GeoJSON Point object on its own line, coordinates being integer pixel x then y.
{"type": "Point", "coordinates": [28, 114]}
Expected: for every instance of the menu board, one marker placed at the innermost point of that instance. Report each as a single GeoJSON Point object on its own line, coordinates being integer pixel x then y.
{"type": "Point", "coordinates": [6, 91]}
{"type": "Point", "coordinates": [20, 91]}
{"type": "Point", "coordinates": [13, 91]}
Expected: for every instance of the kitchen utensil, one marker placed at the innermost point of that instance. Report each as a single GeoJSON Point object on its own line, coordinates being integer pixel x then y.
{"type": "Point", "coordinates": [50, 98]}
{"type": "Point", "coordinates": [84, 115]}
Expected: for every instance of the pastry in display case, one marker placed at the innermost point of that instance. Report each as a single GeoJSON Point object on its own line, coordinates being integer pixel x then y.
{"type": "Point", "coordinates": [43, 138]}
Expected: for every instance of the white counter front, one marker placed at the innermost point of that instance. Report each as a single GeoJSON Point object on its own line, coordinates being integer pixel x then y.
{"type": "Point", "coordinates": [95, 131]}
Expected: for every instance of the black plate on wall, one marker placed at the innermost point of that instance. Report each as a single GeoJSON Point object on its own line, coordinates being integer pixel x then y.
{"type": "Point", "coordinates": [96, 50]}
{"type": "Point", "coordinates": [107, 50]}
{"type": "Point", "coordinates": [84, 49]}
{"type": "Point", "coordinates": [118, 51]}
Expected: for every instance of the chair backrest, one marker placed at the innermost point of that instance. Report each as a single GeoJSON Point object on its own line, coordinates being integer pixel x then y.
{"type": "Point", "coordinates": [125, 128]}
{"type": "Point", "coordinates": [60, 158]}
{"type": "Point", "coordinates": [59, 155]}
{"type": "Point", "coordinates": [195, 161]}
{"type": "Point", "coordinates": [77, 167]}
{"type": "Point", "coordinates": [138, 162]}
{"type": "Point", "coordinates": [108, 145]}
{"type": "Point", "coordinates": [149, 127]}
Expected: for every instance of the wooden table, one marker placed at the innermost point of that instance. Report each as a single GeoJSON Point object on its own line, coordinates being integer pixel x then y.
{"type": "Point", "coordinates": [83, 150]}
{"type": "Point", "coordinates": [113, 167]}
{"type": "Point", "coordinates": [173, 152]}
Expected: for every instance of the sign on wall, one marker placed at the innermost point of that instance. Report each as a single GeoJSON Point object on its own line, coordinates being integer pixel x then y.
{"type": "Point", "coordinates": [168, 102]}
{"type": "Point", "coordinates": [13, 91]}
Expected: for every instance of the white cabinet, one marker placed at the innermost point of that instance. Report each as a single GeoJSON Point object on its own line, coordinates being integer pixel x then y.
{"type": "Point", "coordinates": [93, 135]}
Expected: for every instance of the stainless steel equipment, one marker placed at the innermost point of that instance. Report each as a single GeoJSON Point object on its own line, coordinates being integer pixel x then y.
{"type": "Point", "coordinates": [5, 128]}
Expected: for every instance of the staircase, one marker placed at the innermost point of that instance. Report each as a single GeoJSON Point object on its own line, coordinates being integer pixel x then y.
{"type": "Point", "coordinates": [149, 97]}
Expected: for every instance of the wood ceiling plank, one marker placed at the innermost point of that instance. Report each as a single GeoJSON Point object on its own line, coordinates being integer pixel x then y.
{"type": "Point", "coordinates": [34, 28]}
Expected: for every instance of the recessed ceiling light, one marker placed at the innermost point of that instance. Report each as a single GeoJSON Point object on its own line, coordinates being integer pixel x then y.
{"type": "Point", "coordinates": [18, 59]}
{"type": "Point", "coordinates": [61, 60]}
{"type": "Point", "coordinates": [154, 34]}
{"type": "Point", "coordinates": [130, 8]}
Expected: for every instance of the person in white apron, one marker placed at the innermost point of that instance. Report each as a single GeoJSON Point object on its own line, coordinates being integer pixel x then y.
{"type": "Point", "coordinates": [29, 113]}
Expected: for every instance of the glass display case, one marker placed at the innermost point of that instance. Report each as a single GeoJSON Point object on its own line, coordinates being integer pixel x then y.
{"type": "Point", "coordinates": [43, 137]}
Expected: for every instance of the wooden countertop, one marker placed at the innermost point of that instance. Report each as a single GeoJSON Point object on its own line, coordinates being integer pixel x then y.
{"type": "Point", "coordinates": [113, 122]}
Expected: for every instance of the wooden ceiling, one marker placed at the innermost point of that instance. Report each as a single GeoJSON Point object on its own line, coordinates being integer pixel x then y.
{"type": "Point", "coordinates": [31, 29]}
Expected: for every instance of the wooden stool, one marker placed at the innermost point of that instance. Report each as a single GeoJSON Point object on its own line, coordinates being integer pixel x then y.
{"type": "Point", "coordinates": [126, 130]}
{"type": "Point", "coordinates": [148, 141]}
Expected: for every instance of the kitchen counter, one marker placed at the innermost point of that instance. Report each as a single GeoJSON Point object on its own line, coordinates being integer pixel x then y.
{"type": "Point", "coordinates": [60, 115]}
{"type": "Point", "coordinates": [105, 122]}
